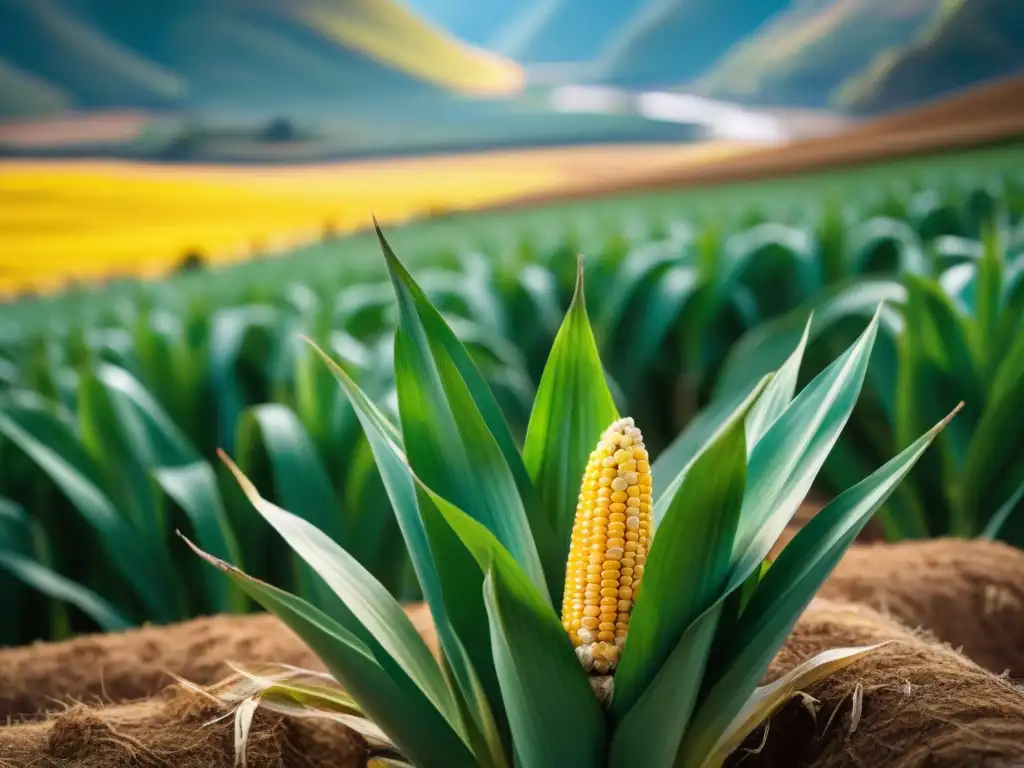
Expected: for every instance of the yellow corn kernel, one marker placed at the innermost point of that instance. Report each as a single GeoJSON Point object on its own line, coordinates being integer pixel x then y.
{"type": "Point", "coordinates": [610, 538]}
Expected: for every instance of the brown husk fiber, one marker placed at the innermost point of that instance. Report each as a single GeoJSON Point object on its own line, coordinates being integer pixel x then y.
{"type": "Point", "coordinates": [921, 703]}
{"type": "Point", "coordinates": [969, 594]}
{"type": "Point", "coordinates": [174, 730]}
{"type": "Point", "coordinates": [120, 667]}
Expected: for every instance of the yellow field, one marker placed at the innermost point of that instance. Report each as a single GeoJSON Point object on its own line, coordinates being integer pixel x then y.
{"type": "Point", "coordinates": [89, 220]}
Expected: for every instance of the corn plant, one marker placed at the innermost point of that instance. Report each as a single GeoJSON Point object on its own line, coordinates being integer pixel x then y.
{"type": "Point", "coordinates": [675, 280]}
{"type": "Point", "coordinates": [118, 476]}
{"type": "Point", "coordinates": [950, 338]}
{"type": "Point", "coordinates": [670, 611]}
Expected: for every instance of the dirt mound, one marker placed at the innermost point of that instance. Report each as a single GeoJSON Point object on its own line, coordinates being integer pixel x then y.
{"type": "Point", "coordinates": [178, 730]}
{"type": "Point", "coordinates": [912, 703]}
{"type": "Point", "coordinates": [120, 667]}
{"type": "Point", "coordinates": [969, 594]}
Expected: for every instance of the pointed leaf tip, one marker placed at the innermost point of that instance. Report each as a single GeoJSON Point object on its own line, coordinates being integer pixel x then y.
{"type": "Point", "coordinates": [948, 418]}
{"type": "Point", "coordinates": [578, 294]}
{"type": "Point", "coordinates": [244, 482]}
{"type": "Point", "coordinates": [216, 562]}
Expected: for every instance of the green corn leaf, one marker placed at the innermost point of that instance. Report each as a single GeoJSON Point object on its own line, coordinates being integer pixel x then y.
{"type": "Point", "coordinates": [229, 330]}
{"type": "Point", "coordinates": [919, 402]}
{"type": "Point", "coordinates": [417, 311]}
{"type": "Point", "coordinates": [156, 436]}
{"type": "Point", "coordinates": [193, 487]}
{"type": "Point", "coordinates": [145, 568]}
{"type": "Point", "coordinates": [785, 590]}
{"type": "Point", "coordinates": [785, 462]}
{"type": "Point", "coordinates": [641, 268]}
{"type": "Point", "coordinates": [777, 263]}
{"type": "Point", "coordinates": [711, 425]}
{"type": "Point", "coordinates": [688, 562]}
{"type": "Point", "coordinates": [370, 603]}
{"type": "Point", "coordinates": [991, 471]}
{"type": "Point", "coordinates": [870, 240]}
{"type": "Point", "coordinates": [554, 714]}
{"type": "Point", "coordinates": [440, 561]}
{"type": "Point", "coordinates": [1000, 521]}
{"type": "Point", "coordinates": [300, 478]}
{"type": "Point", "coordinates": [465, 617]}
{"type": "Point", "coordinates": [765, 347]}
{"type": "Point", "coordinates": [655, 725]}
{"type": "Point", "coordinates": [948, 339]}
{"type": "Point", "coordinates": [113, 439]}
{"type": "Point", "coordinates": [540, 287]}
{"type": "Point", "coordinates": [27, 537]}
{"type": "Point", "coordinates": [451, 442]}
{"type": "Point", "coordinates": [988, 298]}
{"type": "Point", "coordinates": [572, 408]}
{"type": "Point", "coordinates": [50, 583]}
{"type": "Point", "coordinates": [394, 702]}
{"type": "Point", "coordinates": [767, 700]}
{"type": "Point", "coordinates": [656, 316]}
{"type": "Point", "coordinates": [300, 483]}
{"type": "Point", "coordinates": [778, 393]}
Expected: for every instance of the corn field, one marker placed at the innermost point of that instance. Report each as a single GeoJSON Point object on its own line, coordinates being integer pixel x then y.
{"type": "Point", "coordinates": [114, 401]}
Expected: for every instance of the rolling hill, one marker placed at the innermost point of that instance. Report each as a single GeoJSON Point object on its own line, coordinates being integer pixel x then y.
{"type": "Point", "coordinates": [477, 22]}
{"type": "Point", "coordinates": [978, 40]}
{"type": "Point", "coordinates": [804, 55]}
{"type": "Point", "coordinates": [671, 42]}
{"type": "Point", "coordinates": [261, 56]}
{"type": "Point", "coordinates": [51, 41]}
{"type": "Point", "coordinates": [25, 95]}
{"type": "Point", "coordinates": [862, 56]}
{"type": "Point", "coordinates": [558, 31]}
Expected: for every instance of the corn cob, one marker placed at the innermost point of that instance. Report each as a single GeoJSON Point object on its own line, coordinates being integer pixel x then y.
{"type": "Point", "coordinates": [610, 539]}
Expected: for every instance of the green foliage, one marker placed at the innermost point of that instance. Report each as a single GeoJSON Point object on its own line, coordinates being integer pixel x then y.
{"type": "Point", "coordinates": [119, 397]}
{"type": "Point", "coordinates": [952, 336]}
{"type": "Point", "coordinates": [680, 697]}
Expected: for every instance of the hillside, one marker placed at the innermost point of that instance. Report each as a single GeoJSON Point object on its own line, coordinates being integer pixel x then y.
{"type": "Point", "coordinates": [556, 31]}
{"type": "Point", "coordinates": [804, 55]}
{"type": "Point", "coordinates": [25, 95]}
{"type": "Point", "coordinates": [478, 22]}
{"type": "Point", "coordinates": [261, 56]}
{"type": "Point", "coordinates": [49, 40]}
{"type": "Point", "coordinates": [978, 40]}
{"type": "Point", "coordinates": [670, 42]}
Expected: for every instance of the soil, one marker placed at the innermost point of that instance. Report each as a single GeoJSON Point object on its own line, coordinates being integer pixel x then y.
{"type": "Point", "coordinates": [969, 594]}
{"type": "Point", "coordinates": [120, 667]}
{"type": "Point", "coordinates": [920, 703]}
{"type": "Point", "coordinates": [175, 730]}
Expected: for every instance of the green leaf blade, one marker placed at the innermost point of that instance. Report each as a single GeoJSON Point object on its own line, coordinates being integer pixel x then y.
{"type": "Point", "coordinates": [397, 705]}
{"type": "Point", "coordinates": [688, 563]}
{"type": "Point", "coordinates": [785, 590]}
{"type": "Point", "coordinates": [572, 407]}
{"type": "Point", "coordinates": [370, 603]}
{"type": "Point", "coordinates": [554, 714]}
{"type": "Point", "coordinates": [454, 432]}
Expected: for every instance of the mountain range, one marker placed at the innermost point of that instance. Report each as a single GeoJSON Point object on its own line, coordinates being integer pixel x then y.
{"type": "Point", "coordinates": [239, 57]}
{"type": "Point", "coordinates": [849, 55]}
{"type": "Point", "coordinates": [364, 59]}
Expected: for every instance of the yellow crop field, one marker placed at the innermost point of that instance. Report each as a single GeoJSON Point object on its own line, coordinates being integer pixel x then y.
{"type": "Point", "coordinates": [89, 220]}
